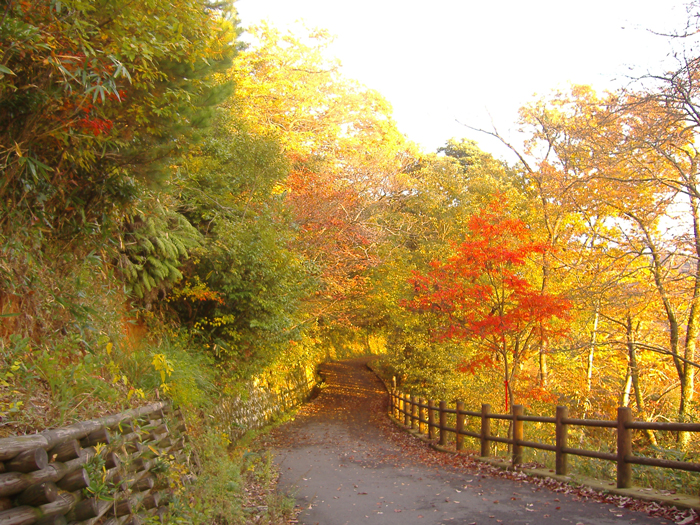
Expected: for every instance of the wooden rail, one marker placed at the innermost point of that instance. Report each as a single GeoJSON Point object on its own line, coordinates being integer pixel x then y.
{"type": "Point", "coordinates": [431, 419]}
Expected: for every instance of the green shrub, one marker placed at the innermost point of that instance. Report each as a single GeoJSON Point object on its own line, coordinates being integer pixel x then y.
{"type": "Point", "coordinates": [234, 486]}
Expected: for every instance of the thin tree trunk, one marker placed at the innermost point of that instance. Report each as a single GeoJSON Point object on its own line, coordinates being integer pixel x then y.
{"type": "Point", "coordinates": [543, 372]}
{"type": "Point", "coordinates": [634, 376]}
{"type": "Point", "coordinates": [507, 375]}
{"type": "Point", "coordinates": [692, 327]}
{"type": "Point", "coordinates": [508, 393]}
{"type": "Point", "coordinates": [685, 376]}
{"type": "Point", "coordinates": [633, 368]}
{"type": "Point", "coordinates": [589, 366]}
{"type": "Point", "coordinates": [625, 402]}
{"type": "Point", "coordinates": [591, 354]}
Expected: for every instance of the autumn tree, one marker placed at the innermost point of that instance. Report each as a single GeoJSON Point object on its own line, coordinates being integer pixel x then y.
{"type": "Point", "coordinates": [426, 212]}
{"type": "Point", "coordinates": [344, 151]}
{"type": "Point", "coordinates": [556, 171]}
{"type": "Point", "coordinates": [632, 161]}
{"type": "Point", "coordinates": [483, 295]}
{"type": "Point", "coordinates": [94, 98]}
{"type": "Point", "coordinates": [670, 133]}
{"type": "Point", "coordinates": [240, 296]}
{"type": "Point", "coordinates": [96, 104]}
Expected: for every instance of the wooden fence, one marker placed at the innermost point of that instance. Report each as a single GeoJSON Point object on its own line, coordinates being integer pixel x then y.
{"type": "Point", "coordinates": [431, 418]}
{"type": "Point", "coordinates": [115, 470]}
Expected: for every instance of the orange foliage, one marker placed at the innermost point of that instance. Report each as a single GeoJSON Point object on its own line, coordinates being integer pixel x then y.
{"type": "Point", "coordinates": [485, 294]}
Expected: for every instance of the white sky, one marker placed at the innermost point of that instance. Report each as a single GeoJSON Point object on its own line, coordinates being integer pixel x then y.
{"type": "Point", "coordinates": [478, 61]}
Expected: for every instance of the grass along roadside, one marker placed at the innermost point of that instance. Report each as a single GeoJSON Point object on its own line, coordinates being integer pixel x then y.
{"type": "Point", "coordinates": [236, 484]}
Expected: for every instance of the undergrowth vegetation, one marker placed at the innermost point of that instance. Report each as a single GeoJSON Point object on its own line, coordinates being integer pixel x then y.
{"type": "Point", "coordinates": [237, 485]}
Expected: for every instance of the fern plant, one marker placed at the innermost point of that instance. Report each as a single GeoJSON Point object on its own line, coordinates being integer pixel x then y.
{"type": "Point", "coordinates": [152, 245]}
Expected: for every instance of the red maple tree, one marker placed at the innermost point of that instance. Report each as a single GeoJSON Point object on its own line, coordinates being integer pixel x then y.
{"type": "Point", "coordinates": [485, 294]}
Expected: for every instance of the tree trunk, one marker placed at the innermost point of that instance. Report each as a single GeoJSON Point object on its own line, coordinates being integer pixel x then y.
{"type": "Point", "coordinates": [685, 376]}
{"type": "Point", "coordinates": [692, 327]}
{"type": "Point", "coordinates": [634, 376]}
{"type": "Point", "coordinates": [543, 372]}
{"type": "Point", "coordinates": [591, 352]}
{"type": "Point", "coordinates": [625, 402]}
{"type": "Point", "coordinates": [589, 360]}
{"type": "Point", "coordinates": [508, 392]}
{"type": "Point", "coordinates": [633, 368]}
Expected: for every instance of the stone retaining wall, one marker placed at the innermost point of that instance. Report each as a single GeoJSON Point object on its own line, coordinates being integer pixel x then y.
{"type": "Point", "coordinates": [235, 416]}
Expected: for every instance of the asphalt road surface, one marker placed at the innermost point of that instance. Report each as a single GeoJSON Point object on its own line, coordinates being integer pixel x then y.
{"type": "Point", "coordinates": [346, 463]}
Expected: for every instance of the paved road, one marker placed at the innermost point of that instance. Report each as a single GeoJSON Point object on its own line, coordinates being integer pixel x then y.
{"type": "Point", "coordinates": [348, 464]}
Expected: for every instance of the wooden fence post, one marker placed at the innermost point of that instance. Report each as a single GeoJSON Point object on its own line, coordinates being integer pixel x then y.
{"type": "Point", "coordinates": [459, 427]}
{"type": "Point", "coordinates": [485, 430]}
{"type": "Point", "coordinates": [406, 411]}
{"type": "Point", "coordinates": [517, 435]}
{"type": "Point", "coordinates": [624, 448]}
{"type": "Point", "coordinates": [414, 412]}
{"type": "Point", "coordinates": [421, 415]}
{"type": "Point", "coordinates": [443, 424]}
{"type": "Point", "coordinates": [562, 434]}
{"type": "Point", "coordinates": [431, 419]}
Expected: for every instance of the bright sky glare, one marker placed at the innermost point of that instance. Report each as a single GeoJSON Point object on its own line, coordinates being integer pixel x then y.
{"type": "Point", "coordinates": [479, 61]}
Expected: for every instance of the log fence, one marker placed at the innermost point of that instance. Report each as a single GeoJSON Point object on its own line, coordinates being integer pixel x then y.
{"type": "Point", "coordinates": [428, 418]}
{"type": "Point", "coordinates": [119, 469]}
{"type": "Point", "coordinates": [112, 470]}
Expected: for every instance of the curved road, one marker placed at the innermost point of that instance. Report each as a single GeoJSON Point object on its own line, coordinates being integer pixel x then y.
{"type": "Point", "coordinates": [346, 463]}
